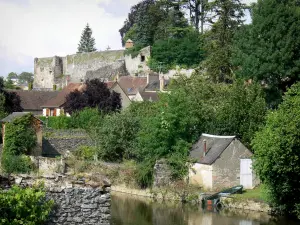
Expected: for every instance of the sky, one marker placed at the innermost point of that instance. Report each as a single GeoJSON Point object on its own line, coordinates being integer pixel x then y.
{"type": "Point", "coordinates": [44, 28]}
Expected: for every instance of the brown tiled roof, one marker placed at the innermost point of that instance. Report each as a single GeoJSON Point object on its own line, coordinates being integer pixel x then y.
{"type": "Point", "coordinates": [149, 96]}
{"type": "Point", "coordinates": [110, 84]}
{"type": "Point", "coordinates": [60, 99]}
{"type": "Point", "coordinates": [33, 100]}
{"type": "Point", "coordinates": [131, 85]}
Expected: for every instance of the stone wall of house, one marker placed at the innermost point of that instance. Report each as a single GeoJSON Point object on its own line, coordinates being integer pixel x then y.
{"type": "Point", "coordinates": [226, 169]}
{"type": "Point", "coordinates": [62, 142]}
{"type": "Point", "coordinates": [76, 201]}
{"type": "Point", "coordinates": [162, 173]}
{"type": "Point", "coordinates": [48, 165]}
{"type": "Point", "coordinates": [138, 65]}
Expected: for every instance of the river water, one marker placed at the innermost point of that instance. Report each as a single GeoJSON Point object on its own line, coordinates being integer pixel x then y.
{"type": "Point", "coordinates": [130, 210]}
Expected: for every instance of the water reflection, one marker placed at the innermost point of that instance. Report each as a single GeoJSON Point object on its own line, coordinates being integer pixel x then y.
{"type": "Point", "coordinates": [131, 210]}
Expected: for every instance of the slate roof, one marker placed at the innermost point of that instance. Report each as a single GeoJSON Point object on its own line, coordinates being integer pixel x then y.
{"type": "Point", "coordinates": [155, 85]}
{"type": "Point", "coordinates": [215, 145]}
{"type": "Point", "coordinates": [33, 100]}
{"type": "Point", "coordinates": [15, 115]}
{"type": "Point", "coordinates": [131, 85]}
{"type": "Point", "coordinates": [149, 96]}
{"type": "Point", "coordinates": [60, 98]}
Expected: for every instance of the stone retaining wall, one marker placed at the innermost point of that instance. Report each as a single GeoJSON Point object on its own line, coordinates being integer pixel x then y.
{"type": "Point", "coordinates": [83, 201]}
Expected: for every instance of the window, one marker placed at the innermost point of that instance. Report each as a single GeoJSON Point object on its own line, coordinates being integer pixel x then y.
{"type": "Point", "coordinates": [142, 58]}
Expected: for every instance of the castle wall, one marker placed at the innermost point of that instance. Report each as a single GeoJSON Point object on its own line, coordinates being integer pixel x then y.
{"type": "Point", "coordinates": [138, 65]}
{"type": "Point", "coordinates": [42, 73]}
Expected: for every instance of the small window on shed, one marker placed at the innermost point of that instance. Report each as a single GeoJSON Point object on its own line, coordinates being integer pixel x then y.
{"type": "Point", "coordinates": [142, 58]}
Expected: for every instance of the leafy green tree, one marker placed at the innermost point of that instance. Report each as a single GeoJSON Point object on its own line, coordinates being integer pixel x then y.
{"type": "Point", "coordinates": [268, 49]}
{"type": "Point", "coordinates": [116, 137]}
{"type": "Point", "coordinates": [24, 206]}
{"type": "Point", "coordinates": [227, 16]}
{"type": "Point", "coordinates": [12, 75]}
{"type": "Point", "coordinates": [87, 42]}
{"type": "Point", "coordinates": [25, 77]}
{"type": "Point", "coordinates": [277, 153]}
{"type": "Point", "coordinates": [185, 52]}
{"type": "Point", "coordinates": [12, 100]}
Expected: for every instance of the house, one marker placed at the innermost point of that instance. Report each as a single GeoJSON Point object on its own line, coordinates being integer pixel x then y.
{"type": "Point", "coordinates": [54, 107]}
{"type": "Point", "coordinates": [221, 162]}
{"type": "Point", "coordinates": [141, 96]}
{"type": "Point", "coordinates": [31, 101]}
{"type": "Point", "coordinates": [37, 125]}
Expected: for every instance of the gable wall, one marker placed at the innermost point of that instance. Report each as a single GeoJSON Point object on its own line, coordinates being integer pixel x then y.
{"type": "Point", "coordinates": [226, 169]}
{"type": "Point", "coordinates": [201, 175]}
{"type": "Point", "coordinates": [124, 98]}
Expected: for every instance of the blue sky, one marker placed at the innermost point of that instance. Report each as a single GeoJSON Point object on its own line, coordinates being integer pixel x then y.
{"type": "Point", "coordinates": [43, 28]}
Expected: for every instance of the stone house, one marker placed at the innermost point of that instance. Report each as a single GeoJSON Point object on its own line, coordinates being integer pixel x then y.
{"type": "Point", "coordinates": [54, 107]}
{"type": "Point", "coordinates": [221, 162]}
{"type": "Point", "coordinates": [37, 125]}
{"type": "Point", "coordinates": [32, 100]}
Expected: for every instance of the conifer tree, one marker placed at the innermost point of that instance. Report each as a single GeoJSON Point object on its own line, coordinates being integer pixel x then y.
{"type": "Point", "coordinates": [87, 42]}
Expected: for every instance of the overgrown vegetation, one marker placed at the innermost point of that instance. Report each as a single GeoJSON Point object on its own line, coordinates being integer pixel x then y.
{"type": "Point", "coordinates": [20, 140]}
{"type": "Point", "coordinates": [24, 206]}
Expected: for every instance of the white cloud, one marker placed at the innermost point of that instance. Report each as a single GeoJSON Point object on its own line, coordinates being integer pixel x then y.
{"type": "Point", "coordinates": [43, 28]}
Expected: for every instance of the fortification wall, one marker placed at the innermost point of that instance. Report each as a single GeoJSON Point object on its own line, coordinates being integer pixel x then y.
{"type": "Point", "coordinates": [138, 65]}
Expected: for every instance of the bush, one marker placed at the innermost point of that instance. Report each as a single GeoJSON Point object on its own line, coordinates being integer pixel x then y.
{"type": "Point", "coordinates": [16, 164]}
{"type": "Point", "coordinates": [85, 153]}
{"type": "Point", "coordinates": [24, 206]}
{"type": "Point", "coordinates": [277, 153]}
{"type": "Point", "coordinates": [58, 122]}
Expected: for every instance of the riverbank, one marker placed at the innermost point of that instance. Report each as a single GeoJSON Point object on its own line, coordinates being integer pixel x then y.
{"type": "Point", "coordinates": [243, 201]}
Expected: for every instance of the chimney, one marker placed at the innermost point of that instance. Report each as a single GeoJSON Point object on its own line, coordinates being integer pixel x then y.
{"type": "Point", "coordinates": [67, 79]}
{"type": "Point", "coordinates": [148, 78]}
{"type": "Point", "coordinates": [117, 77]}
{"type": "Point", "coordinates": [204, 148]}
{"type": "Point", "coordinates": [162, 83]}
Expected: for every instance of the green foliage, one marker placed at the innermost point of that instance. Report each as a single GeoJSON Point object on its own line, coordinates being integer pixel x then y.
{"type": "Point", "coordinates": [268, 49]}
{"type": "Point", "coordinates": [26, 77]}
{"type": "Point", "coordinates": [24, 206]}
{"type": "Point", "coordinates": [12, 75]}
{"type": "Point", "coordinates": [277, 152]}
{"type": "Point", "coordinates": [20, 136]}
{"type": "Point", "coordinates": [134, 51]}
{"type": "Point", "coordinates": [186, 52]}
{"type": "Point", "coordinates": [87, 42]}
{"type": "Point", "coordinates": [85, 153]}
{"type": "Point", "coordinates": [226, 17]}
{"type": "Point", "coordinates": [116, 136]}
{"type": "Point", "coordinates": [57, 122]}
{"type": "Point", "coordinates": [15, 164]}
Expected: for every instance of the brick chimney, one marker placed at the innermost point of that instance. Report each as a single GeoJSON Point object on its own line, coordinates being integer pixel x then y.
{"type": "Point", "coordinates": [204, 148]}
{"type": "Point", "coordinates": [162, 83]}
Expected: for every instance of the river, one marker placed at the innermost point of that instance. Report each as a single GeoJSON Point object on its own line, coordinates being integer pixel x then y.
{"type": "Point", "coordinates": [131, 210]}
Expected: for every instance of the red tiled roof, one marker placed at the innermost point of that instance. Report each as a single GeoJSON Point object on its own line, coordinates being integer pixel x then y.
{"type": "Point", "coordinates": [131, 85]}
{"type": "Point", "coordinates": [60, 99]}
{"type": "Point", "coordinates": [33, 100]}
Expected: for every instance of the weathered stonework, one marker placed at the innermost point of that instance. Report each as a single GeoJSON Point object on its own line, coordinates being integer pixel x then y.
{"type": "Point", "coordinates": [106, 65]}
{"type": "Point", "coordinates": [62, 142]}
{"type": "Point", "coordinates": [162, 173]}
{"type": "Point", "coordinates": [77, 201]}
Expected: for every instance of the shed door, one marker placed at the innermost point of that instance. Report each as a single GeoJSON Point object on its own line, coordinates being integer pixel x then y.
{"type": "Point", "coordinates": [246, 173]}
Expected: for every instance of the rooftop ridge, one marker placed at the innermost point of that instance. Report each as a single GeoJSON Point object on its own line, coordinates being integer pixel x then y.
{"type": "Point", "coordinates": [217, 136]}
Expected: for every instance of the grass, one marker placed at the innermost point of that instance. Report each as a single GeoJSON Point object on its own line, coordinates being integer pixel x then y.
{"type": "Point", "coordinates": [255, 194]}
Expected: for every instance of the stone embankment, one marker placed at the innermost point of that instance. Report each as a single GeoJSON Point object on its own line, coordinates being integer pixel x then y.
{"type": "Point", "coordinates": [245, 204]}
{"type": "Point", "coordinates": [81, 201]}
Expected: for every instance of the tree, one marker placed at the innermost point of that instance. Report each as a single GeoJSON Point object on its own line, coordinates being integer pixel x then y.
{"type": "Point", "coordinates": [268, 49]}
{"type": "Point", "coordinates": [226, 18]}
{"type": "Point", "coordinates": [12, 100]}
{"type": "Point", "coordinates": [277, 153]}
{"type": "Point", "coordinates": [25, 77]}
{"type": "Point", "coordinates": [95, 95]}
{"type": "Point", "coordinates": [12, 75]}
{"type": "Point", "coordinates": [87, 42]}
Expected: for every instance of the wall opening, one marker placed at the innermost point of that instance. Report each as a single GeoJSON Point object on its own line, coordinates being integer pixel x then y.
{"type": "Point", "coordinates": [142, 58]}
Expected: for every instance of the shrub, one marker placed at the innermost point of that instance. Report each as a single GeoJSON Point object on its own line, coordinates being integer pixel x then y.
{"type": "Point", "coordinates": [24, 206]}
{"type": "Point", "coordinates": [15, 164]}
{"type": "Point", "coordinates": [85, 153]}
{"type": "Point", "coordinates": [58, 122]}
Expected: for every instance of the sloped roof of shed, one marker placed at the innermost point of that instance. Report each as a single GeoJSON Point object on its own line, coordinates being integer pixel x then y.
{"type": "Point", "coordinates": [15, 115]}
{"type": "Point", "coordinates": [215, 145]}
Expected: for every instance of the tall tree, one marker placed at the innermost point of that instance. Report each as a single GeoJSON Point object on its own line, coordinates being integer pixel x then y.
{"type": "Point", "coordinates": [268, 49]}
{"type": "Point", "coordinates": [226, 17]}
{"type": "Point", "coordinates": [12, 102]}
{"type": "Point", "coordinates": [25, 77]}
{"type": "Point", "coordinates": [87, 42]}
{"type": "Point", "coordinates": [12, 75]}
{"type": "Point", "coordinates": [95, 95]}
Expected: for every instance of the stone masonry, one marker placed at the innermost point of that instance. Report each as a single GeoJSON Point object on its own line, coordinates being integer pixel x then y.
{"type": "Point", "coordinates": [83, 201]}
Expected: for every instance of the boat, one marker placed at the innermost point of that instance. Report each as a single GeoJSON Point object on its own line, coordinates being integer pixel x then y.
{"type": "Point", "coordinates": [214, 199]}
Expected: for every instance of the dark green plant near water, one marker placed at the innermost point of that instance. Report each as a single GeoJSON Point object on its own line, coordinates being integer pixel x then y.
{"type": "Point", "coordinates": [24, 206]}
